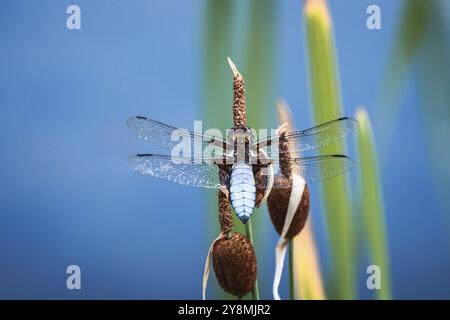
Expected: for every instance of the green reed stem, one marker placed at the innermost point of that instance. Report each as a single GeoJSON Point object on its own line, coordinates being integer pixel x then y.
{"type": "Point", "coordinates": [249, 233]}
{"type": "Point", "coordinates": [371, 201]}
{"type": "Point", "coordinates": [326, 98]}
{"type": "Point", "coordinates": [217, 89]}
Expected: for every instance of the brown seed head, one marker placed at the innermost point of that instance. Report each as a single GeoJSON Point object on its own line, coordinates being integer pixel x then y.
{"type": "Point", "coordinates": [239, 107]}
{"type": "Point", "coordinates": [261, 181]}
{"type": "Point", "coordinates": [285, 164]}
{"type": "Point", "coordinates": [234, 263]}
{"type": "Point", "coordinates": [278, 199]}
{"type": "Point", "coordinates": [278, 202]}
{"type": "Point", "coordinates": [225, 216]}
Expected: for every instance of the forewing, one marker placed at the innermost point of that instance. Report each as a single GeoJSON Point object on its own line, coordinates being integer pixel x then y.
{"type": "Point", "coordinates": [315, 137]}
{"type": "Point", "coordinates": [178, 170]}
{"type": "Point", "coordinates": [166, 136]}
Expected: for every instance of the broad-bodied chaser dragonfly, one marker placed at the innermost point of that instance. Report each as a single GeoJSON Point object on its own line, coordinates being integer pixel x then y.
{"type": "Point", "coordinates": [235, 168]}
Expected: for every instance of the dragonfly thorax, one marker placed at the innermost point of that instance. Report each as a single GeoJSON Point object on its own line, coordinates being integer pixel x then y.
{"type": "Point", "coordinates": [240, 138]}
{"type": "Point", "coordinates": [240, 135]}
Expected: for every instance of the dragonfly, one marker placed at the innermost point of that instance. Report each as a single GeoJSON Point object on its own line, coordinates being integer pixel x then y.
{"type": "Point", "coordinates": [241, 160]}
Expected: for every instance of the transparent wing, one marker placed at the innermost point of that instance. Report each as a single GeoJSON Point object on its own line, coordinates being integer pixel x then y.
{"type": "Point", "coordinates": [166, 136]}
{"type": "Point", "coordinates": [318, 168]}
{"type": "Point", "coordinates": [315, 137]}
{"type": "Point", "coordinates": [313, 169]}
{"type": "Point", "coordinates": [179, 170]}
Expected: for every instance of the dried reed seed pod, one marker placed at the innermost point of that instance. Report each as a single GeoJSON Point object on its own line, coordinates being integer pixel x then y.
{"type": "Point", "coordinates": [278, 202]}
{"type": "Point", "coordinates": [225, 216]}
{"type": "Point", "coordinates": [261, 180]}
{"type": "Point", "coordinates": [285, 164]}
{"type": "Point", "coordinates": [234, 262]}
{"type": "Point", "coordinates": [239, 108]}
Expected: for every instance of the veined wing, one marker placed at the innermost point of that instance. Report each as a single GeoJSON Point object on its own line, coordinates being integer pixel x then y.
{"type": "Point", "coordinates": [162, 134]}
{"type": "Point", "coordinates": [315, 137]}
{"type": "Point", "coordinates": [179, 170]}
{"type": "Point", "coordinates": [313, 169]}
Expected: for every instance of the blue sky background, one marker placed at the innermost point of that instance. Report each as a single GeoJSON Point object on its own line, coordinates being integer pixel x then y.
{"type": "Point", "coordinates": [67, 195]}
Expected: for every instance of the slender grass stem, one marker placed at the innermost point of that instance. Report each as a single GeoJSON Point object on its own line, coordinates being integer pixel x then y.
{"type": "Point", "coordinates": [249, 233]}
{"type": "Point", "coordinates": [291, 270]}
{"type": "Point", "coordinates": [371, 201]}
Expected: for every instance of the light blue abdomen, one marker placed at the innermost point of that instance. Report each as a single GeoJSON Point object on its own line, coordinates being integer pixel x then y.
{"type": "Point", "coordinates": [242, 190]}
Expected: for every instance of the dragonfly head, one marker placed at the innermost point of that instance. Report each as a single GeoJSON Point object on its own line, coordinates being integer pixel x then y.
{"type": "Point", "coordinates": [240, 134]}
